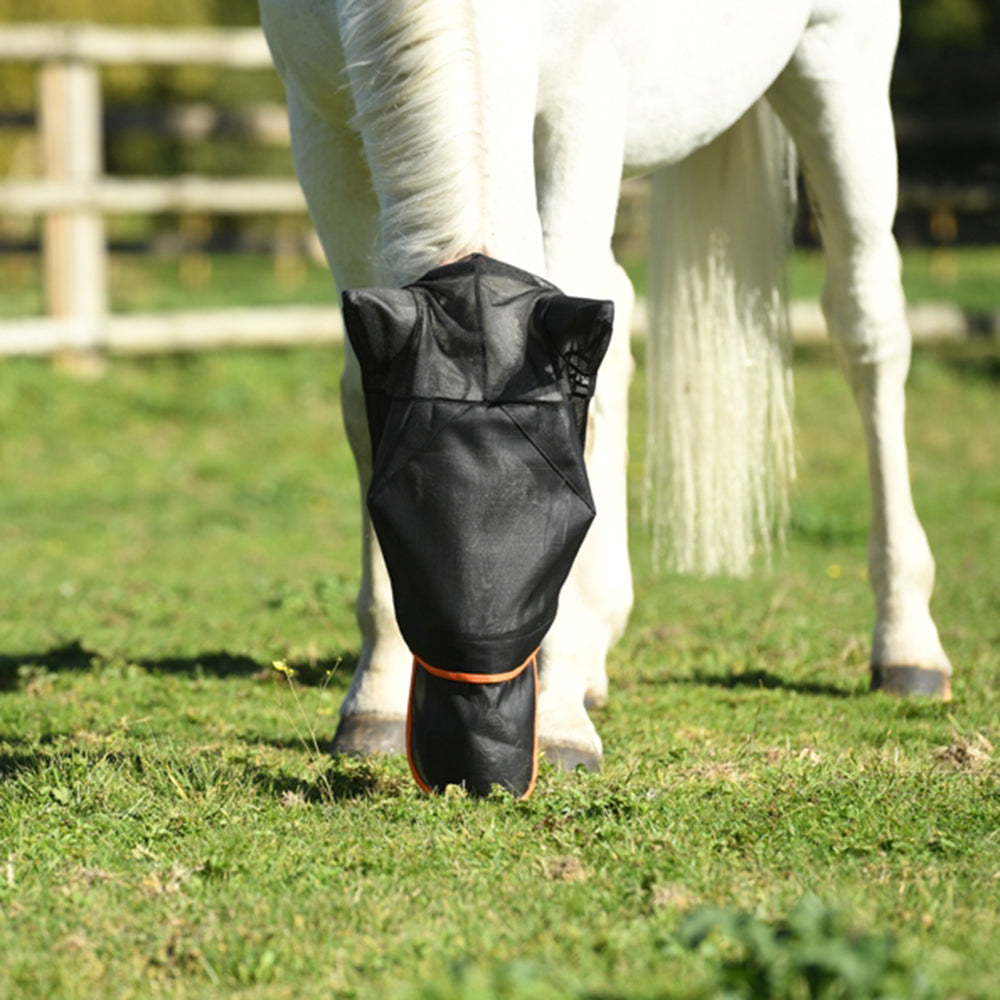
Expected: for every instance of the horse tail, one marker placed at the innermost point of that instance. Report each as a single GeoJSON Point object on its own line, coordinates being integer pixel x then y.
{"type": "Point", "coordinates": [414, 76]}
{"type": "Point", "coordinates": [720, 446]}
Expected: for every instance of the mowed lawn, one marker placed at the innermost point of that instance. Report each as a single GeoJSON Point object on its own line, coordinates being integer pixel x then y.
{"type": "Point", "coordinates": [170, 825]}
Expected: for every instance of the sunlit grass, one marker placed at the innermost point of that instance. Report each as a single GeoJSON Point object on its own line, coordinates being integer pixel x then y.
{"type": "Point", "coordinates": [169, 824]}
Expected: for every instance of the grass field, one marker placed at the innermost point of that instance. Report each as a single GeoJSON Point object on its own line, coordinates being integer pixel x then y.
{"type": "Point", "coordinates": [169, 827]}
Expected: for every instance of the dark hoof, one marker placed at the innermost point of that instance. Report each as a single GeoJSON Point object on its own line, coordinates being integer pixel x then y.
{"type": "Point", "coordinates": [364, 735]}
{"type": "Point", "coordinates": [568, 758]}
{"type": "Point", "coordinates": [912, 680]}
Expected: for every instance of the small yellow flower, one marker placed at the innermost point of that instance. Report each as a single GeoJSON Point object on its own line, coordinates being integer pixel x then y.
{"type": "Point", "coordinates": [283, 668]}
{"type": "Point", "coordinates": [833, 571]}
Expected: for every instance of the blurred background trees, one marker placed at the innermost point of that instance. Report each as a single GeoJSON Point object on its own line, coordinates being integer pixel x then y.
{"type": "Point", "coordinates": [946, 97]}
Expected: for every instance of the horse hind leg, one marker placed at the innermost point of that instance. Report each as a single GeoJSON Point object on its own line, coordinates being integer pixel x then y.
{"type": "Point", "coordinates": [842, 126]}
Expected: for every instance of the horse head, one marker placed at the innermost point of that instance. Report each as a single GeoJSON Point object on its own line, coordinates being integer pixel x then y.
{"type": "Point", "coordinates": [477, 380]}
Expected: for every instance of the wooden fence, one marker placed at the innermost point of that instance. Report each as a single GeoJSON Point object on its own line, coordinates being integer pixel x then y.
{"type": "Point", "coordinates": [75, 195]}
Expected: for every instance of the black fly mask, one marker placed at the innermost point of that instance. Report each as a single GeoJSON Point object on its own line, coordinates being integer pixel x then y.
{"type": "Point", "coordinates": [477, 380]}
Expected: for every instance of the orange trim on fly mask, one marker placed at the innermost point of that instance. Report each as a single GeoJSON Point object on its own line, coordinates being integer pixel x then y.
{"type": "Point", "coordinates": [456, 675]}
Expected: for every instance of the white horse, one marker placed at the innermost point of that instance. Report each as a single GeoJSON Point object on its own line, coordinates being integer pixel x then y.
{"type": "Point", "coordinates": [423, 130]}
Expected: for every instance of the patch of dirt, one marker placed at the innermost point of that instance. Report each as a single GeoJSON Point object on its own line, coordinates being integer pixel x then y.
{"type": "Point", "coordinates": [565, 869]}
{"type": "Point", "coordinates": [965, 753]}
{"type": "Point", "coordinates": [168, 882]}
{"type": "Point", "coordinates": [85, 875]}
{"type": "Point", "coordinates": [808, 754]}
{"type": "Point", "coordinates": [714, 772]}
{"type": "Point", "coordinates": [671, 896]}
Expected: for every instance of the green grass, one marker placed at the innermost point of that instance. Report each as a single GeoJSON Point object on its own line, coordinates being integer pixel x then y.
{"type": "Point", "coordinates": [168, 827]}
{"type": "Point", "coordinates": [968, 276]}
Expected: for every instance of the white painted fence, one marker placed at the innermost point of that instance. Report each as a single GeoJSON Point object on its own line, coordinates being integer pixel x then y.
{"type": "Point", "coordinates": [75, 195]}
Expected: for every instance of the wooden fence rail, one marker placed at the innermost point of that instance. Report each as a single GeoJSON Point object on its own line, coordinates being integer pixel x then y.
{"type": "Point", "coordinates": [75, 195]}
{"type": "Point", "coordinates": [237, 48]}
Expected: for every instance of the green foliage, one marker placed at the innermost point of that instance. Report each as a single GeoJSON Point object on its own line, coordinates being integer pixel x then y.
{"type": "Point", "coordinates": [933, 23]}
{"type": "Point", "coordinates": [812, 953]}
{"type": "Point", "coordinates": [138, 84]}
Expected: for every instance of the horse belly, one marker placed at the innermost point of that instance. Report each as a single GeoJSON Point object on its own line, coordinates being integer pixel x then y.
{"type": "Point", "coordinates": [691, 69]}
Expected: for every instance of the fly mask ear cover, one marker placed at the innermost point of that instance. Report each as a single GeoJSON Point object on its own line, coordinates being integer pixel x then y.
{"type": "Point", "coordinates": [477, 380]}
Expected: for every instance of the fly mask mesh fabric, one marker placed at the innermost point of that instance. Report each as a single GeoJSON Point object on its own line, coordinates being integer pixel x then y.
{"type": "Point", "coordinates": [477, 379]}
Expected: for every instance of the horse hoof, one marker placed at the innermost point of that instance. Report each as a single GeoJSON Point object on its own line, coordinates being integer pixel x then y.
{"type": "Point", "coordinates": [924, 681]}
{"type": "Point", "coordinates": [569, 758]}
{"type": "Point", "coordinates": [364, 735]}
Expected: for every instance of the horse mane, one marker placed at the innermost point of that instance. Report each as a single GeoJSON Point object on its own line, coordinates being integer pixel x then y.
{"type": "Point", "coordinates": [414, 75]}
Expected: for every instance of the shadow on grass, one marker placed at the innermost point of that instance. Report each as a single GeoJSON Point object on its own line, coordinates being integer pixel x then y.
{"type": "Point", "coordinates": [62, 754]}
{"type": "Point", "coordinates": [70, 657]}
{"type": "Point", "coordinates": [74, 657]}
{"type": "Point", "coordinates": [334, 670]}
{"type": "Point", "coordinates": [56, 759]}
{"type": "Point", "coordinates": [345, 779]}
{"type": "Point", "coordinates": [764, 680]}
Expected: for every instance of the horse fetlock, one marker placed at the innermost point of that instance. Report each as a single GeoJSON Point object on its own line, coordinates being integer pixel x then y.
{"type": "Point", "coordinates": [902, 582]}
{"type": "Point", "coordinates": [901, 572]}
{"type": "Point", "coordinates": [381, 681]}
{"type": "Point", "coordinates": [375, 618]}
{"type": "Point", "coordinates": [574, 670]}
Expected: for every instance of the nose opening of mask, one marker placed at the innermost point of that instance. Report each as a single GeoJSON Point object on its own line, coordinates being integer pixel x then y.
{"type": "Point", "coordinates": [474, 730]}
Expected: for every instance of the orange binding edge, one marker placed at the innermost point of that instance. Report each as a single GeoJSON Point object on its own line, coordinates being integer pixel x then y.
{"type": "Point", "coordinates": [452, 675]}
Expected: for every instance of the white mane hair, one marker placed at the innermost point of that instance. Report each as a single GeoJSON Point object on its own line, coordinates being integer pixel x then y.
{"type": "Point", "coordinates": [414, 75]}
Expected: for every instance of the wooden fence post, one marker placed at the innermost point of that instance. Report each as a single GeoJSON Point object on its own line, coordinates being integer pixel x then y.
{"type": "Point", "coordinates": [74, 243]}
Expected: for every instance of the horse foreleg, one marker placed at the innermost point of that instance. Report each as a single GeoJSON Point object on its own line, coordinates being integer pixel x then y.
{"type": "Point", "coordinates": [843, 129]}
{"type": "Point", "coordinates": [580, 165]}
{"type": "Point", "coordinates": [373, 713]}
{"type": "Point", "coordinates": [331, 168]}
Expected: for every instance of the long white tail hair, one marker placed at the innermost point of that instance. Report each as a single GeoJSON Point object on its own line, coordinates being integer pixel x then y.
{"type": "Point", "coordinates": [414, 75]}
{"type": "Point", "coordinates": [720, 450]}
